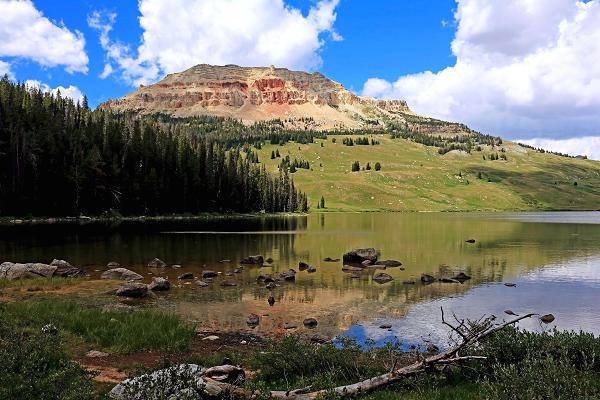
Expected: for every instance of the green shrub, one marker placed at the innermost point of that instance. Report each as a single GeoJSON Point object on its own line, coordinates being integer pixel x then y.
{"type": "Point", "coordinates": [34, 366]}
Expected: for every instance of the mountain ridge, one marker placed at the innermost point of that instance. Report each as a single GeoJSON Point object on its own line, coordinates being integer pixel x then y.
{"type": "Point", "coordinates": [302, 99]}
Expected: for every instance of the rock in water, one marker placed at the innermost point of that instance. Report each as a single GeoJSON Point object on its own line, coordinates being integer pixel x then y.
{"type": "Point", "coordinates": [470, 241]}
{"type": "Point", "coordinates": [209, 274]}
{"type": "Point", "coordinates": [289, 275]}
{"type": "Point", "coordinates": [186, 275]}
{"type": "Point", "coordinates": [329, 259]}
{"type": "Point", "coordinates": [389, 263]}
{"type": "Point", "coordinates": [302, 266]}
{"type": "Point", "coordinates": [548, 318]}
{"type": "Point", "coordinates": [253, 320]}
{"type": "Point", "coordinates": [357, 256]}
{"type": "Point", "coordinates": [425, 278]}
{"type": "Point", "coordinates": [462, 277]}
{"type": "Point", "coordinates": [132, 289]}
{"type": "Point", "coordinates": [510, 312]}
{"type": "Point", "coordinates": [157, 263]}
{"type": "Point", "coordinates": [509, 284]}
{"type": "Point", "coordinates": [159, 285]}
{"type": "Point", "coordinates": [253, 260]}
{"type": "Point", "coordinates": [121, 273]}
{"type": "Point", "coordinates": [382, 277]}
{"type": "Point", "coordinates": [351, 268]}
{"type": "Point", "coordinates": [311, 269]}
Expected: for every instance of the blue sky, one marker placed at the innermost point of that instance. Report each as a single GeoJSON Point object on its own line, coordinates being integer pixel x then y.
{"type": "Point", "coordinates": [522, 69]}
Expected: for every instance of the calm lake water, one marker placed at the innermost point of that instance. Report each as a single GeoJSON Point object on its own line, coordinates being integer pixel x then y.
{"type": "Point", "coordinates": [553, 258]}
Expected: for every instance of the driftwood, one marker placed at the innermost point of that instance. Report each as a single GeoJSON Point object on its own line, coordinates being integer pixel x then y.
{"type": "Point", "coordinates": [469, 334]}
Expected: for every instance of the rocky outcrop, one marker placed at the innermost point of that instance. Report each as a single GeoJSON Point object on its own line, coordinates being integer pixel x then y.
{"type": "Point", "coordinates": [259, 93]}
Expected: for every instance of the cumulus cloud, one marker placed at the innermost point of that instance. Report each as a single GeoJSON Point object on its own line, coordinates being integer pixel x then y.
{"type": "Point", "coordinates": [26, 33]}
{"type": "Point", "coordinates": [586, 146]}
{"type": "Point", "coordinates": [71, 91]}
{"type": "Point", "coordinates": [182, 33]}
{"type": "Point", "coordinates": [5, 70]}
{"type": "Point", "coordinates": [524, 69]}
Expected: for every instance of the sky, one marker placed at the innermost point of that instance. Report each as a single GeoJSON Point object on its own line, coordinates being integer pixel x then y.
{"type": "Point", "coordinates": [525, 70]}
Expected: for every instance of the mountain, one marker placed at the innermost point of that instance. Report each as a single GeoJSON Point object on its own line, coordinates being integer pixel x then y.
{"type": "Point", "coordinates": [301, 99]}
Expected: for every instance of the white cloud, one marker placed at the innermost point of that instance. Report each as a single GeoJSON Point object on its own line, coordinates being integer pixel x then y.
{"type": "Point", "coordinates": [71, 91]}
{"type": "Point", "coordinates": [586, 146]}
{"type": "Point", "coordinates": [26, 33]}
{"type": "Point", "coordinates": [5, 70]}
{"type": "Point", "coordinates": [182, 33]}
{"type": "Point", "coordinates": [524, 69]}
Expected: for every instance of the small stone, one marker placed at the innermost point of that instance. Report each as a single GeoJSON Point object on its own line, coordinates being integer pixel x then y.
{"type": "Point", "coordinates": [462, 277]}
{"type": "Point", "coordinates": [96, 354]}
{"type": "Point", "coordinates": [269, 260]}
{"type": "Point", "coordinates": [382, 277]}
{"type": "Point", "coordinates": [470, 241]}
{"type": "Point", "coordinates": [50, 329]}
{"type": "Point", "coordinates": [548, 318]}
{"type": "Point", "coordinates": [385, 326]}
{"type": "Point", "coordinates": [425, 278]}
{"type": "Point", "coordinates": [176, 266]}
{"type": "Point", "coordinates": [271, 300]}
{"type": "Point", "coordinates": [211, 338]}
{"type": "Point", "coordinates": [509, 284]}
{"type": "Point", "coordinates": [209, 274]}
{"type": "Point", "coordinates": [409, 282]}
{"type": "Point", "coordinates": [187, 275]}
{"type": "Point", "coordinates": [319, 339]}
{"type": "Point", "coordinates": [157, 263]}
{"type": "Point", "coordinates": [228, 283]}
{"type": "Point", "coordinates": [253, 320]}
{"type": "Point", "coordinates": [243, 342]}
{"type": "Point", "coordinates": [113, 264]}
{"type": "Point", "coordinates": [271, 285]}
{"type": "Point", "coordinates": [288, 325]}
{"type": "Point", "coordinates": [159, 284]}
{"type": "Point", "coordinates": [202, 283]}
{"type": "Point", "coordinates": [310, 323]}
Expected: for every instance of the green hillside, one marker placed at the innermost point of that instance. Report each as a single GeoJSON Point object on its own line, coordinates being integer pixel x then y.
{"type": "Point", "coordinates": [415, 177]}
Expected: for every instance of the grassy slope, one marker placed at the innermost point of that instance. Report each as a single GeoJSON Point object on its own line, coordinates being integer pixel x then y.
{"type": "Point", "coordinates": [415, 177]}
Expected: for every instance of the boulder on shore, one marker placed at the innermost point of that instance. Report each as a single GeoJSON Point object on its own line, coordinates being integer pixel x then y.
{"type": "Point", "coordinates": [186, 275]}
{"type": "Point", "coordinates": [13, 271]}
{"type": "Point", "coordinates": [133, 289]}
{"type": "Point", "coordinates": [253, 260]}
{"type": "Point", "coordinates": [357, 256]}
{"type": "Point", "coordinates": [121, 273]}
{"type": "Point", "coordinates": [159, 285]}
{"type": "Point", "coordinates": [65, 270]}
{"type": "Point", "coordinates": [157, 263]}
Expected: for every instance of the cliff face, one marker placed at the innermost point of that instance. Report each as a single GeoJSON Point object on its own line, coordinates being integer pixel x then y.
{"type": "Point", "coordinates": [254, 94]}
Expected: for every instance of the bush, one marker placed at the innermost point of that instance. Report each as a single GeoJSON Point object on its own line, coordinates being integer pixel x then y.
{"type": "Point", "coordinates": [34, 366]}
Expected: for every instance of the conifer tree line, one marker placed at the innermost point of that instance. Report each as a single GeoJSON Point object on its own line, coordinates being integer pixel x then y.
{"type": "Point", "coordinates": [58, 158]}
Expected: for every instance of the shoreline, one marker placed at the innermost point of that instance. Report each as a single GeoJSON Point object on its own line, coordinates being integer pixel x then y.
{"type": "Point", "coordinates": [88, 220]}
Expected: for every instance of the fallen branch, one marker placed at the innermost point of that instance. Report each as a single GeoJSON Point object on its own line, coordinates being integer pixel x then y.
{"type": "Point", "coordinates": [470, 336]}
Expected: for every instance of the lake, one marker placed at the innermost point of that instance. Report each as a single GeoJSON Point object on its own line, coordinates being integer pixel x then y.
{"type": "Point", "coordinates": [553, 258]}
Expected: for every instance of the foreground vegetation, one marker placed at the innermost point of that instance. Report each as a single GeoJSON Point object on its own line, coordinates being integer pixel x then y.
{"type": "Point", "coordinates": [519, 364]}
